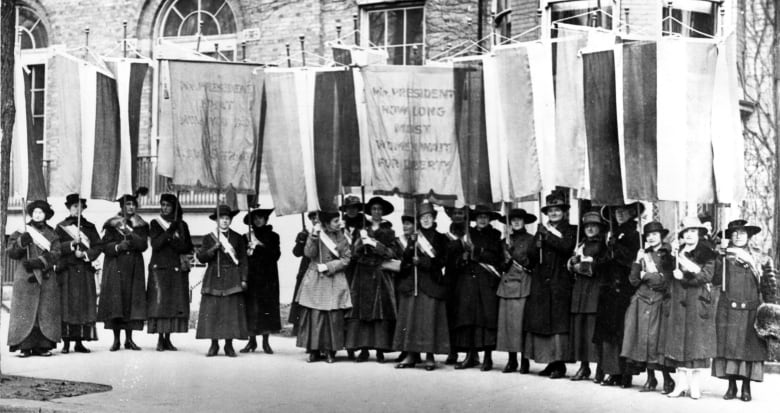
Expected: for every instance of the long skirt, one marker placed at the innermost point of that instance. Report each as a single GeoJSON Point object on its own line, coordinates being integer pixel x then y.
{"type": "Point", "coordinates": [168, 325]}
{"type": "Point", "coordinates": [581, 336]}
{"type": "Point", "coordinates": [422, 325]}
{"type": "Point", "coordinates": [510, 324]}
{"type": "Point", "coordinates": [81, 332]}
{"type": "Point", "coordinates": [222, 317]}
{"type": "Point", "coordinates": [642, 338]}
{"type": "Point", "coordinates": [547, 349]}
{"type": "Point", "coordinates": [375, 334]}
{"type": "Point", "coordinates": [751, 370]}
{"type": "Point", "coordinates": [609, 358]}
{"type": "Point", "coordinates": [690, 364]}
{"type": "Point", "coordinates": [475, 338]}
{"type": "Point", "coordinates": [120, 324]}
{"type": "Point", "coordinates": [320, 330]}
{"type": "Point", "coordinates": [35, 341]}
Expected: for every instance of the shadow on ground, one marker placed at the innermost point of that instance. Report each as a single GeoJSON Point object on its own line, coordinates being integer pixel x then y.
{"type": "Point", "coordinates": [30, 388]}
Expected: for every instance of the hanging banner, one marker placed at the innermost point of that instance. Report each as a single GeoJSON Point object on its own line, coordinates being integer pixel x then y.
{"type": "Point", "coordinates": [411, 130]}
{"type": "Point", "coordinates": [216, 118]}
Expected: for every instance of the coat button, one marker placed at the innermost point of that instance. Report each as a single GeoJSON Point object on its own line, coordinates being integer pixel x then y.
{"type": "Point", "coordinates": [733, 305]}
{"type": "Point", "coordinates": [744, 305]}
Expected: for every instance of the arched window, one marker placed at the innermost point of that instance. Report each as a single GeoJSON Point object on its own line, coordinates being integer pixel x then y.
{"type": "Point", "coordinates": [595, 13]}
{"type": "Point", "coordinates": [31, 30]}
{"type": "Point", "coordinates": [200, 24]}
{"type": "Point", "coordinates": [690, 18]}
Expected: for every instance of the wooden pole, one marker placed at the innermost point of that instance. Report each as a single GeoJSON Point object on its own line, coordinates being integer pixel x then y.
{"type": "Point", "coordinates": [776, 102]}
{"type": "Point", "coordinates": [723, 274]}
{"type": "Point", "coordinates": [124, 38]}
{"type": "Point", "coordinates": [414, 207]}
{"type": "Point", "coordinates": [541, 222]}
{"type": "Point", "coordinates": [287, 47]}
{"type": "Point", "coordinates": [303, 50]}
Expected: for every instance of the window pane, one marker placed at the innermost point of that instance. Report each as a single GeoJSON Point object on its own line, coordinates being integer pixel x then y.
{"type": "Point", "coordinates": [703, 23]}
{"type": "Point", "coordinates": [190, 26]}
{"type": "Point", "coordinates": [578, 13]}
{"type": "Point", "coordinates": [376, 28]}
{"type": "Point", "coordinates": [211, 6]}
{"type": "Point", "coordinates": [37, 106]}
{"type": "Point", "coordinates": [227, 22]}
{"type": "Point", "coordinates": [414, 55]}
{"type": "Point", "coordinates": [414, 25]}
{"type": "Point", "coordinates": [171, 28]}
{"type": "Point", "coordinates": [39, 75]}
{"type": "Point", "coordinates": [209, 27]}
{"type": "Point", "coordinates": [395, 55]}
{"type": "Point", "coordinates": [27, 41]}
{"type": "Point", "coordinates": [395, 27]}
{"type": "Point", "coordinates": [186, 7]}
{"type": "Point", "coordinates": [41, 37]}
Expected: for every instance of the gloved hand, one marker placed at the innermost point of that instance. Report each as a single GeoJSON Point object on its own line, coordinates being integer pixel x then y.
{"type": "Point", "coordinates": [123, 246]}
{"type": "Point", "coordinates": [33, 264]}
{"type": "Point", "coordinates": [213, 249]}
{"type": "Point", "coordinates": [301, 237]}
{"type": "Point", "coordinates": [26, 239]}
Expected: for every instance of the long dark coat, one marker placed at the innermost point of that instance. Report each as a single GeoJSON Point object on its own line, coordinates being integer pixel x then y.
{"type": "Point", "coordinates": [300, 244]}
{"type": "Point", "coordinates": [548, 307]}
{"type": "Point", "coordinates": [689, 325]}
{"type": "Point", "coordinates": [616, 290]}
{"type": "Point", "coordinates": [430, 278]}
{"type": "Point", "coordinates": [34, 303]}
{"type": "Point", "coordinates": [516, 279]}
{"type": "Point", "coordinates": [737, 338]}
{"type": "Point", "coordinates": [168, 289]}
{"type": "Point", "coordinates": [122, 290]}
{"type": "Point", "coordinates": [262, 294]}
{"type": "Point", "coordinates": [586, 288]}
{"type": "Point", "coordinates": [372, 288]}
{"type": "Point", "coordinates": [76, 276]}
{"type": "Point", "coordinates": [227, 279]}
{"type": "Point", "coordinates": [476, 285]}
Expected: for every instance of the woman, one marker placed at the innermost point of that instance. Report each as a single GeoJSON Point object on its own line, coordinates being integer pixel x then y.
{"type": "Point", "coordinates": [651, 274]}
{"type": "Point", "coordinates": [520, 257]}
{"type": "Point", "coordinates": [300, 243]}
{"type": "Point", "coordinates": [371, 321]}
{"type": "Point", "coordinates": [422, 311]}
{"type": "Point", "coordinates": [167, 292]}
{"type": "Point", "coordinates": [222, 313]}
{"type": "Point", "coordinates": [35, 324]}
{"type": "Point", "coordinates": [476, 320]}
{"type": "Point", "coordinates": [547, 321]}
{"type": "Point", "coordinates": [402, 242]}
{"type": "Point", "coordinates": [615, 296]}
{"type": "Point", "coordinates": [690, 325]}
{"type": "Point", "coordinates": [76, 276]}
{"type": "Point", "coordinates": [745, 279]}
{"type": "Point", "coordinates": [324, 294]}
{"type": "Point", "coordinates": [122, 290]}
{"type": "Point", "coordinates": [262, 295]}
{"type": "Point", "coordinates": [587, 267]}
{"type": "Point", "coordinates": [458, 228]}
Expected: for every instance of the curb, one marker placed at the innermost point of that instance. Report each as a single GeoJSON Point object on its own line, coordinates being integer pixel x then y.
{"type": "Point", "coordinates": [20, 405]}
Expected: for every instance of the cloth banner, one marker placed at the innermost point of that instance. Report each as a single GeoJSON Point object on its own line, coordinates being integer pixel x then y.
{"type": "Point", "coordinates": [471, 133]}
{"type": "Point", "coordinates": [728, 146]}
{"type": "Point", "coordinates": [511, 132]}
{"type": "Point", "coordinates": [601, 128]}
{"type": "Point", "coordinates": [288, 150]}
{"type": "Point", "coordinates": [63, 122]}
{"type": "Point", "coordinates": [640, 120]}
{"type": "Point", "coordinates": [19, 153]}
{"type": "Point", "coordinates": [411, 130]}
{"type": "Point", "coordinates": [702, 58]}
{"type": "Point", "coordinates": [216, 125]}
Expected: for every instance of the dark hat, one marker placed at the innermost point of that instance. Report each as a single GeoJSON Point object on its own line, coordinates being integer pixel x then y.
{"type": "Point", "coordinates": [223, 210]}
{"type": "Point", "coordinates": [327, 216]}
{"type": "Point", "coordinates": [127, 198]}
{"type": "Point", "coordinates": [407, 218]}
{"type": "Point", "coordinates": [43, 205]}
{"type": "Point", "coordinates": [169, 198]}
{"type": "Point", "coordinates": [592, 217]}
{"type": "Point", "coordinates": [483, 210]}
{"type": "Point", "coordinates": [450, 210]}
{"type": "Point", "coordinates": [655, 226]}
{"type": "Point", "coordinates": [520, 213]}
{"type": "Point", "coordinates": [705, 217]}
{"type": "Point", "coordinates": [742, 224]}
{"type": "Point", "coordinates": [351, 201]}
{"type": "Point", "coordinates": [311, 214]}
{"type": "Point", "coordinates": [632, 206]}
{"type": "Point", "coordinates": [72, 199]}
{"type": "Point", "coordinates": [426, 208]}
{"type": "Point", "coordinates": [387, 207]}
{"type": "Point", "coordinates": [555, 200]}
{"type": "Point", "coordinates": [263, 212]}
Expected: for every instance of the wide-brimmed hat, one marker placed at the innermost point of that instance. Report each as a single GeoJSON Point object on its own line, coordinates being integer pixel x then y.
{"type": "Point", "coordinates": [407, 218]}
{"type": "Point", "coordinates": [449, 210]}
{"type": "Point", "coordinates": [483, 210]}
{"type": "Point", "coordinates": [655, 226]}
{"type": "Point", "coordinates": [351, 201]}
{"type": "Point", "coordinates": [387, 207]}
{"type": "Point", "coordinates": [555, 200]}
{"type": "Point", "coordinates": [327, 216]}
{"type": "Point", "coordinates": [127, 198]}
{"type": "Point", "coordinates": [632, 207]}
{"type": "Point", "coordinates": [261, 212]}
{"type": "Point", "coordinates": [519, 213]}
{"type": "Point", "coordinates": [169, 198]}
{"type": "Point", "coordinates": [74, 198]}
{"type": "Point", "coordinates": [593, 217]}
{"type": "Point", "coordinates": [223, 210]}
{"type": "Point", "coordinates": [426, 208]}
{"type": "Point", "coordinates": [741, 224]}
{"type": "Point", "coordinates": [692, 223]}
{"type": "Point", "coordinates": [43, 205]}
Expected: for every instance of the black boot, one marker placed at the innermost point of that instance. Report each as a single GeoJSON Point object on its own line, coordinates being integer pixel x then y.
{"type": "Point", "coordinates": [408, 361]}
{"type": "Point", "coordinates": [583, 373]}
{"type": "Point", "coordinates": [651, 382]}
{"type": "Point", "coordinates": [363, 356]}
{"type": "Point", "coordinates": [380, 356]}
{"type": "Point", "coordinates": [452, 358]}
{"type": "Point", "coordinates": [668, 382]}
{"type": "Point", "coordinates": [525, 365]}
{"type": "Point", "coordinates": [599, 377]}
{"type": "Point", "coordinates": [559, 371]}
{"type": "Point", "coordinates": [626, 380]}
{"type": "Point", "coordinates": [168, 345]}
{"type": "Point", "coordinates": [160, 342]}
{"type": "Point", "coordinates": [330, 357]}
{"type": "Point", "coordinates": [471, 360]}
{"type": "Point", "coordinates": [547, 370]}
{"type": "Point", "coordinates": [65, 346]}
{"type": "Point", "coordinates": [731, 393]}
{"type": "Point", "coordinates": [401, 357]}
{"type": "Point", "coordinates": [115, 346]}
{"type": "Point", "coordinates": [487, 362]}
{"type": "Point", "coordinates": [266, 345]}
{"type": "Point", "coordinates": [250, 346]}
{"type": "Point", "coordinates": [229, 348]}
{"type": "Point", "coordinates": [612, 380]}
{"type": "Point", "coordinates": [214, 349]}
{"type": "Point", "coordinates": [129, 344]}
{"type": "Point", "coordinates": [511, 365]}
{"type": "Point", "coordinates": [746, 396]}
{"type": "Point", "coordinates": [430, 362]}
{"type": "Point", "coordinates": [79, 347]}
{"type": "Point", "coordinates": [350, 354]}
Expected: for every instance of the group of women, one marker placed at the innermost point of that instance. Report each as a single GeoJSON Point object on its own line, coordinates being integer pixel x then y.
{"type": "Point", "coordinates": [600, 292]}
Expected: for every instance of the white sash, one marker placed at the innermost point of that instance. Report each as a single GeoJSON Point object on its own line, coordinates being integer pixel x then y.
{"type": "Point", "coordinates": [225, 242]}
{"type": "Point", "coordinates": [425, 246]}
{"type": "Point", "coordinates": [402, 240]}
{"type": "Point", "coordinates": [39, 239]}
{"type": "Point", "coordinates": [745, 256]}
{"type": "Point", "coordinates": [76, 235]}
{"type": "Point", "coordinates": [329, 244]}
{"type": "Point", "coordinates": [491, 269]}
{"type": "Point", "coordinates": [348, 234]}
{"type": "Point", "coordinates": [452, 236]}
{"type": "Point", "coordinates": [689, 265]}
{"type": "Point", "coordinates": [649, 263]}
{"type": "Point", "coordinates": [162, 223]}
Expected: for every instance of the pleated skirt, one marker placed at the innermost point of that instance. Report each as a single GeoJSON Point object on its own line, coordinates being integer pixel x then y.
{"type": "Point", "coordinates": [320, 330]}
{"type": "Point", "coordinates": [421, 326]}
{"type": "Point", "coordinates": [375, 334]}
{"type": "Point", "coordinates": [751, 370]}
{"type": "Point", "coordinates": [222, 317]}
{"type": "Point", "coordinates": [547, 349]}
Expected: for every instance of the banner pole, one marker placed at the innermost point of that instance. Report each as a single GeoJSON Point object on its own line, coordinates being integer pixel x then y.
{"type": "Point", "coordinates": [506, 224]}
{"type": "Point", "coordinates": [417, 234]}
{"type": "Point", "coordinates": [541, 222]}
{"type": "Point", "coordinates": [723, 236]}
{"type": "Point", "coordinates": [216, 211]}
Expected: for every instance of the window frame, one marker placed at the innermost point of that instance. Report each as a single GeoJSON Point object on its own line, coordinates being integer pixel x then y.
{"type": "Point", "coordinates": [205, 44]}
{"type": "Point", "coordinates": [547, 14]}
{"type": "Point", "coordinates": [35, 59]}
{"type": "Point", "coordinates": [715, 7]}
{"type": "Point", "coordinates": [389, 7]}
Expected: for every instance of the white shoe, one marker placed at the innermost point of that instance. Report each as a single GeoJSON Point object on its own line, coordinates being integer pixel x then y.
{"type": "Point", "coordinates": [681, 384]}
{"type": "Point", "coordinates": [695, 392]}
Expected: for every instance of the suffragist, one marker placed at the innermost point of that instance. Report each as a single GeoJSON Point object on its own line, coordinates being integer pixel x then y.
{"type": "Point", "coordinates": [167, 292]}
{"type": "Point", "coordinates": [476, 320]}
{"type": "Point", "coordinates": [371, 321]}
{"type": "Point", "coordinates": [615, 295]}
{"type": "Point", "coordinates": [690, 326]}
{"type": "Point", "coordinates": [651, 274]}
{"type": "Point", "coordinates": [122, 290]}
{"type": "Point", "coordinates": [300, 244]}
{"type": "Point", "coordinates": [422, 313]}
{"type": "Point", "coordinates": [324, 294]}
{"type": "Point", "coordinates": [458, 228]}
{"type": "Point", "coordinates": [222, 314]}
{"type": "Point", "coordinates": [520, 257]}
{"type": "Point", "coordinates": [587, 267]}
{"type": "Point", "coordinates": [80, 246]}
{"type": "Point", "coordinates": [35, 324]}
{"type": "Point", "coordinates": [548, 309]}
{"type": "Point", "coordinates": [262, 294]}
{"type": "Point", "coordinates": [746, 280]}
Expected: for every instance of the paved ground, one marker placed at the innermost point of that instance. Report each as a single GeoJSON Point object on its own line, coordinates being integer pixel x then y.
{"type": "Point", "coordinates": [188, 381]}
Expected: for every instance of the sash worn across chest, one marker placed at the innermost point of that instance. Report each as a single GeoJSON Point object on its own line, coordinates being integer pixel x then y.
{"type": "Point", "coordinates": [425, 246]}
{"type": "Point", "coordinates": [76, 235]}
{"type": "Point", "coordinates": [39, 239]}
{"type": "Point", "coordinates": [328, 242]}
{"type": "Point", "coordinates": [223, 240]}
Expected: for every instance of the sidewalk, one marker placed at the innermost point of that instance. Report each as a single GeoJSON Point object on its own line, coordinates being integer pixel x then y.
{"type": "Point", "coordinates": [186, 380]}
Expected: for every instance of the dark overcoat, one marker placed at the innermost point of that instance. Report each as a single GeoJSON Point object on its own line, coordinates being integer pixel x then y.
{"type": "Point", "coordinates": [587, 284]}
{"type": "Point", "coordinates": [168, 289]}
{"type": "Point", "coordinates": [223, 276]}
{"type": "Point", "coordinates": [476, 286]}
{"type": "Point", "coordinates": [430, 277]}
{"type": "Point", "coordinates": [523, 257]}
{"type": "Point", "coordinates": [373, 289]}
{"type": "Point", "coordinates": [262, 294]}
{"type": "Point", "coordinates": [300, 244]}
{"type": "Point", "coordinates": [76, 276]}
